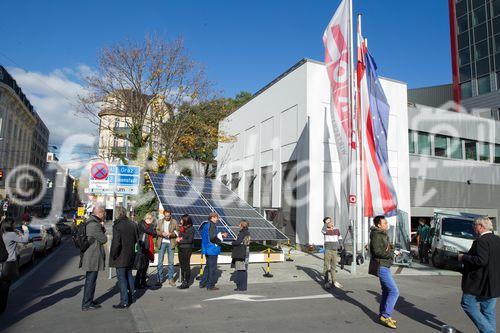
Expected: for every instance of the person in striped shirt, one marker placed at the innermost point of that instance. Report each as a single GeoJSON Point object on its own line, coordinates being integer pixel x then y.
{"type": "Point", "coordinates": [331, 245]}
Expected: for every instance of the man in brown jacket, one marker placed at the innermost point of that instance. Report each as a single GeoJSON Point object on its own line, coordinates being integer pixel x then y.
{"type": "Point", "coordinates": [166, 242]}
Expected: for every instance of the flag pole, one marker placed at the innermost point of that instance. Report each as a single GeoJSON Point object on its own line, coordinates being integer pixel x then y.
{"type": "Point", "coordinates": [353, 158]}
{"type": "Point", "coordinates": [361, 133]}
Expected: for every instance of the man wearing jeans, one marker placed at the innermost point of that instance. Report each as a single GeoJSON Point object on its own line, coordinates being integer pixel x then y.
{"type": "Point", "coordinates": [122, 254]}
{"type": "Point", "coordinates": [481, 277]}
{"type": "Point", "coordinates": [166, 230]}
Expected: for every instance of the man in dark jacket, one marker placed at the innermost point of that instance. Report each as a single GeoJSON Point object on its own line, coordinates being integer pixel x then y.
{"type": "Point", "coordinates": [210, 247]}
{"type": "Point", "coordinates": [122, 254]}
{"type": "Point", "coordinates": [94, 258]}
{"type": "Point", "coordinates": [481, 277]}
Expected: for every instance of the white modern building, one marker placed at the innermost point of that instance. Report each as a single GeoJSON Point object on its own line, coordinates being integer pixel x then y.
{"type": "Point", "coordinates": [283, 149]}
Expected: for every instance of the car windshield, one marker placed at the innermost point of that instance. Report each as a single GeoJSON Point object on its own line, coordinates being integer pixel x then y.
{"type": "Point", "coordinates": [31, 230]}
{"type": "Point", "coordinates": [458, 228]}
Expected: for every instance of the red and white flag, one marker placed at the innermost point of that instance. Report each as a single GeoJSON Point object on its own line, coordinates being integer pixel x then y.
{"type": "Point", "coordinates": [337, 40]}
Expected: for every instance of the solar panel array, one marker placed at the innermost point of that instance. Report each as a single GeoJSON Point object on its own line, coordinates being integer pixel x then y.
{"type": "Point", "coordinates": [198, 197]}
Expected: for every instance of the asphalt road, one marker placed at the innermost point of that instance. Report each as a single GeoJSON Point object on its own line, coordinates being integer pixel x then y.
{"type": "Point", "coordinates": [48, 299]}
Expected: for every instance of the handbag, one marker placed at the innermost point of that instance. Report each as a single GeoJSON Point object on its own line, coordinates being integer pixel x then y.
{"type": "Point", "coordinates": [9, 270]}
{"type": "Point", "coordinates": [373, 267]}
{"type": "Point", "coordinates": [141, 260]}
{"type": "Point", "coordinates": [239, 252]}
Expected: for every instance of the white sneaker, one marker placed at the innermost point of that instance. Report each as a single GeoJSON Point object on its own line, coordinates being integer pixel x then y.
{"type": "Point", "coordinates": [338, 285]}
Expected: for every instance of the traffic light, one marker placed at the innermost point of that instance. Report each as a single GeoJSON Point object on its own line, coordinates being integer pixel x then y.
{"type": "Point", "coordinates": [1, 174]}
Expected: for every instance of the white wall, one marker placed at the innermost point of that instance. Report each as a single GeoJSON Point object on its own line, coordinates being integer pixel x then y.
{"type": "Point", "coordinates": [289, 121]}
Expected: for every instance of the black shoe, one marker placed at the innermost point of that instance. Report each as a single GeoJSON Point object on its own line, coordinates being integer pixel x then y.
{"type": "Point", "coordinates": [203, 286]}
{"type": "Point", "coordinates": [121, 306]}
{"type": "Point", "coordinates": [90, 307]}
{"type": "Point", "coordinates": [96, 305]}
{"type": "Point", "coordinates": [183, 286]}
{"type": "Point", "coordinates": [158, 284]}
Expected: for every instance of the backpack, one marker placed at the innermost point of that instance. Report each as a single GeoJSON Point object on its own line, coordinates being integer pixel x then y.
{"type": "Point", "coordinates": [80, 238]}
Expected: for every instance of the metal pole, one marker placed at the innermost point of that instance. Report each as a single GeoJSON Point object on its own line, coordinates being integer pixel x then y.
{"type": "Point", "coordinates": [353, 217]}
{"type": "Point", "coordinates": [113, 218]}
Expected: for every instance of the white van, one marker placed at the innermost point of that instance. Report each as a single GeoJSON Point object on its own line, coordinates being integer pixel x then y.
{"type": "Point", "coordinates": [452, 232]}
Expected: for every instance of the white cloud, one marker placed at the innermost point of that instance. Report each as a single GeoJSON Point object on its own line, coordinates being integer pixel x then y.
{"type": "Point", "coordinates": [55, 98]}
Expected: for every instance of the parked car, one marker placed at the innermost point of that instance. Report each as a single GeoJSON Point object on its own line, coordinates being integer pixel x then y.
{"type": "Point", "coordinates": [452, 232]}
{"type": "Point", "coordinates": [41, 239]}
{"type": "Point", "coordinates": [25, 253]}
{"type": "Point", "coordinates": [55, 233]}
{"type": "Point", "coordinates": [63, 228]}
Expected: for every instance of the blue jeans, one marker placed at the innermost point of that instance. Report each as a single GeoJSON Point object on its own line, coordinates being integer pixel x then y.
{"type": "Point", "coordinates": [126, 283]}
{"type": "Point", "coordinates": [165, 247]}
{"type": "Point", "coordinates": [390, 292]}
{"type": "Point", "coordinates": [482, 312]}
{"type": "Point", "coordinates": [209, 277]}
{"type": "Point", "coordinates": [89, 289]}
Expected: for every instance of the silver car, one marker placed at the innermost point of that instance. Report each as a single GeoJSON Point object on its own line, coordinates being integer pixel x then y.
{"type": "Point", "coordinates": [25, 253]}
{"type": "Point", "coordinates": [41, 239]}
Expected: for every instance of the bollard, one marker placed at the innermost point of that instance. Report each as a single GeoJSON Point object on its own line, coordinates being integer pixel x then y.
{"type": "Point", "coordinates": [289, 256]}
{"type": "Point", "coordinates": [200, 274]}
{"type": "Point", "coordinates": [268, 268]}
{"type": "Point", "coordinates": [448, 329]}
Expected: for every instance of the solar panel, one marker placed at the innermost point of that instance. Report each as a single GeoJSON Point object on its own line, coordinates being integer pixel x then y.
{"type": "Point", "coordinates": [200, 196]}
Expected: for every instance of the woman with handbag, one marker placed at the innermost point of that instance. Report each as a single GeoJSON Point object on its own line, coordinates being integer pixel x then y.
{"type": "Point", "coordinates": [8, 269]}
{"type": "Point", "coordinates": [240, 255]}
{"type": "Point", "coordinates": [185, 244]}
{"type": "Point", "coordinates": [382, 256]}
{"type": "Point", "coordinates": [146, 251]}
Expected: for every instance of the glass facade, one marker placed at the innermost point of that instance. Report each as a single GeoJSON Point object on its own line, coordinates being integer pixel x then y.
{"type": "Point", "coordinates": [484, 151]}
{"type": "Point", "coordinates": [497, 154]}
{"type": "Point", "coordinates": [441, 146]}
{"type": "Point", "coordinates": [456, 148]}
{"type": "Point", "coordinates": [478, 42]}
{"type": "Point", "coordinates": [424, 143]}
{"type": "Point", "coordinates": [470, 150]}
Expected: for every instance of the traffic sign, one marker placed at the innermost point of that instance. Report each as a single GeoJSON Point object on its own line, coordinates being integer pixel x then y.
{"type": "Point", "coordinates": [99, 171]}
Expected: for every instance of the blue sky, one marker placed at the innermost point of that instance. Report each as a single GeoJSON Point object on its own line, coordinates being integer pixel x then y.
{"type": "Point", "coordinates": [243, 44]}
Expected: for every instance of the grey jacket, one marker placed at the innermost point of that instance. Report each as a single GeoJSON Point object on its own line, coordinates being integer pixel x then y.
{"type": "Point", "coordinates": [94, 258]}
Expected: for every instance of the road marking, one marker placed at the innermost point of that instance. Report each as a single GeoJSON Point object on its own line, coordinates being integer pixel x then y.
{"type": "Point", "coordinates": [21, 280]}
{"type": "Point", "coordinates": [252, 298]}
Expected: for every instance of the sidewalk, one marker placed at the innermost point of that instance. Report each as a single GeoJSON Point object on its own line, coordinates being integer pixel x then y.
{"type": "Point", "coordinates": [307, 267]}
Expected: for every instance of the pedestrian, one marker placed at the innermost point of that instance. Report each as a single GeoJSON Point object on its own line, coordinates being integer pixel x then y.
{"type": "Point", "coordinates": [122, 255]}
{"type": "Point", "coordinates": [94, 258]}
{"type": "Point", "coordinates": [481, 277]}
{"type": "Point", "coordinates": [147, 233]}
{"type": "Point", "coordinates": [240, 255]}
{"type": "Point", "coordinates": [382, 256]}
{"type": "Point", "coordinates": [185, 244]}
{"type": "Point", "coordinates": [8, 257]}
{"type": "Point", "coordinates": [331, 245]}
{"type": "Point", "coordinates": [423, 233]}
{"type": "Point", "coordinates": [210, 248]}
{"type": "Point", "coordinates": [166, 242]}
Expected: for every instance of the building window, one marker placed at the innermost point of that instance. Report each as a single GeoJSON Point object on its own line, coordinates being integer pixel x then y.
{"type": "Point", "coordinates": [470, 150]}
{"type": "Point", "coordinates": [462, 24]}
{"type": "Point", "coordinates": [266, 187]}
{"type": "Point", "coordinates": [496, 7]}
{"type": "Point", "coordinates": [465, 73]}
{"type": "Point", "coordinates": [441, 146]}
{"type": "Point", "coordinates": [484, 151]}
{"type": "Point", "coordinates": [424, 143]}
{"type": "Point", "coordinates": [497, 154]}
{"type": "Point", "coordinates": [483, 67]}
{"type": "Point", "coordinates": [481, 50]}
{"type": "Point", "coordinates": [466, 89]}
{"type": "Point", "coordinates": [249, 185]}
{"type": "Point", "coordinates": [411, 142]}
{"type": "Point", "coordinates": [463, 40]}
{"type": "Point", "coordinates": [461, 8]}
{"type": "Point", "coordinates": [464, 56]}
{"type": "Point", "coordinates": [480, 33]}
{"type": "Point", "coordinates": [235, 180]}
{"type": "Point", "coordinates": [479, 16]}
{"type": "Point", "coordinates": [456, 148]}
{"type": "Point", "coordinates": [483, 85]}
{"type": "Point", "coordinates": [477, 3]}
